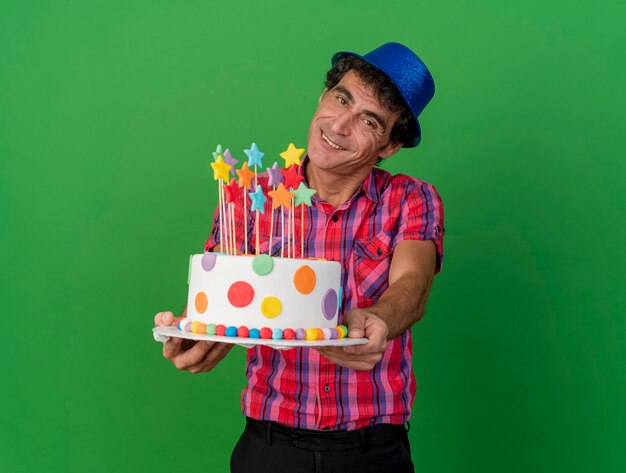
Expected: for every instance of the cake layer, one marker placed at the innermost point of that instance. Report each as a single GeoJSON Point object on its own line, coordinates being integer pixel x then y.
{"type": "Point", "coordinates": [263, 291]}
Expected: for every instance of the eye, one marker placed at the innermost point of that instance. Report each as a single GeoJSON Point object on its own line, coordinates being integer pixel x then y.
{"type": "Point", "coordinates": [341, 100]}
{"type": "Point", "coordinates": [370, 124]}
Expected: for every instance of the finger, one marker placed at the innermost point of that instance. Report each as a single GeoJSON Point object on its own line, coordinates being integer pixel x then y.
{"type": "Point", "coordinates": [163, 319]}
{"type": "Point", "coordinates": [377, 344]}
{"type": "Point", "coordinates": [172, 347]}
{"type": "Point", "coordinates": [193, 356]}
{"type": "Point", "coordinates": [212, 358]}
{"type": "Point", "coordinates": [356, 326]}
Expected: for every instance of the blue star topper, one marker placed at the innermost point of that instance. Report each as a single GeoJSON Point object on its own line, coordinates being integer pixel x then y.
{"type": "Point", "coordinates": [254, 155]}
{"type": "Point", "coordinates": [258, 200]}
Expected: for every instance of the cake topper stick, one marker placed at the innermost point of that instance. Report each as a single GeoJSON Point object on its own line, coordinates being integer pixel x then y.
{"type": "Point", "coordinates": [219, 203]}
{"type": "Point", "coordinates": [232, 219]}
{"type": "Point", "coordinates": [257, 202]}
{"type": "Point", "coordinates": [233, 194]}
{"type": "Point", "coordinates": [302, 230]}
{"type": "Point", "coordinates": [281, 198]}
{"type": "Point", "coordinates": [245, 221]}
{"type": "Point", "coordinates": [274, 178]}
{"type": "Point", "coordinates": [226, 242]}
{"type": "Point", "coordinates": [220, 174]}
{"type": "Point", "coordinates": [245, 176]}
{"type": "Point", "coordinates": [293, 231]}
{"type": "Point", "coordinates": [254, 158]}
{"type": "Point", "coordinates": [282, 232]}
{"type": "Point", "coordinates": [269, 248]}
{"type": "Point", "coordinates": [303, 197]}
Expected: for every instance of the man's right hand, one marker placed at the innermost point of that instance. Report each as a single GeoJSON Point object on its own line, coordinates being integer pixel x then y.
{"type": "Point", "coordinates": [191, 355]}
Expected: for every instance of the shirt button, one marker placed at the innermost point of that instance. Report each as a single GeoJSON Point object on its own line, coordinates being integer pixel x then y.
{"type": "Point", "coordinates": [334, 218]}
{"type": "Point", "coordinates": [327, 388]}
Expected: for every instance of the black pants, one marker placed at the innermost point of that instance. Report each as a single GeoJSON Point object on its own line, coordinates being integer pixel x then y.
{"type": "Point", "coordinates": [268, 447]}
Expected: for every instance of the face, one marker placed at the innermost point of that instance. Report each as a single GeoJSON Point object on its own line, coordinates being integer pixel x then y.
{"type": "Point", "coordinates": [350, 128]}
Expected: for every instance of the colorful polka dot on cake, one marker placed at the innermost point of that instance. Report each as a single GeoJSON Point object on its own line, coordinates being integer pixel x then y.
{"type": "Point", "coordinates": [266, 333]}
{"type": "Point", "coordinates": [271, 307]}
{"type": "Point", "coordinates": [329, 304]}
{"type": "Point", "coordinates": [201, 302]}
{"type": "Point", "coordinates": [289, 334]}
{"type": "Point", "coordinates": [300, 334]}
{"type": "Point", "coordinates": [240, 294]}
{"type": "Point", "coordinates": [208, 261]}
{"type": "Point", "coordinates": [277, 334]}
{"type": "Point", "coordinates": [210, 329]}
{"type": "Point", "coordinates": [304, 279]}
{"type": "Point", "coordinates": [262, 264]}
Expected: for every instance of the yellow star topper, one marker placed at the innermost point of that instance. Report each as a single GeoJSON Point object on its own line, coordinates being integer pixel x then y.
{"type": "Point", "coordinates": [220, 169]}
{"type": "Point", "coordinates": [292, 155]}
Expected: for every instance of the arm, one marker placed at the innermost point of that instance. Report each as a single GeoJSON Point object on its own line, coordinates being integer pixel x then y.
{"type": "Point", "coordinates": [401, 305]}
{"type": "Point", "coordinates": [410, 277]}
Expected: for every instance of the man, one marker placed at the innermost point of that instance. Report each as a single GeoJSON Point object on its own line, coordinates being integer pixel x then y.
{"type": "Point", "coordinates": [333, 408]}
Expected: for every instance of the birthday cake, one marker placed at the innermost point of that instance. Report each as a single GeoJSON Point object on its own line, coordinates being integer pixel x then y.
{"type": "Point", "coordinates": [260, 295]}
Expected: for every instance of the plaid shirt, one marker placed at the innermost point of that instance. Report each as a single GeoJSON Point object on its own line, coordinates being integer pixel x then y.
{"type": "Point", "coordinates": [298, 387]}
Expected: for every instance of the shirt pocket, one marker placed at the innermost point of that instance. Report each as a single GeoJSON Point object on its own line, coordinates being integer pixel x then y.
{"type": "Point", "coordinates": [372, 258]}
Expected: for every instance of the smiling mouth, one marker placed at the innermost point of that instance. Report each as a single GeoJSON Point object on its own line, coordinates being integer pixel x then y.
{"type": "Point", "coordinates": [330, 143]}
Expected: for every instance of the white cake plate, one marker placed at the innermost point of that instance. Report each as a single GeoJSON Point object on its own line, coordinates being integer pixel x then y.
{"type": "Point", "coordinates": [163, 334]}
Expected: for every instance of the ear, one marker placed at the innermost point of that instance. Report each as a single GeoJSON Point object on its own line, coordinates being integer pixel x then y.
{"type": "Point", "coordinates": [389, 150]}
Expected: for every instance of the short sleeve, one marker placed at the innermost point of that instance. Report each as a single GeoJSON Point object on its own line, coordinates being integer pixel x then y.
{"type": "Point", "coordinates": [421, 216]}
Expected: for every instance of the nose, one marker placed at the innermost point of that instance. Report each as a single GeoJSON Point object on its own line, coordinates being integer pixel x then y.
{"type": "Point", "coordinates": [341, 123]}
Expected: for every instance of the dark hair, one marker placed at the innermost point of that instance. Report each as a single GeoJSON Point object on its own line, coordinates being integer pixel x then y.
{"type": "Point", "coordinates": [404, 130]}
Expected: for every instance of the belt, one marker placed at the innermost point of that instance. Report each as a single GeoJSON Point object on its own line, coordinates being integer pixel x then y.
{"type": "Point", "coordinates": [325, 440]}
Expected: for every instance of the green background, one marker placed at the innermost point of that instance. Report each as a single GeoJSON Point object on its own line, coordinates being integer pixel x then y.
{"type": "Point", "coordinates": [108, 114]}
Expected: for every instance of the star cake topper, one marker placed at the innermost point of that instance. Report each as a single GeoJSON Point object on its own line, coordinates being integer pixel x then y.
{"type": "Point", "coordinates": [303, 194]}
{"type": "Point", "coordinates": [245, 175]}
{"type": "Point", "coordinates": [220, 169]}
{"type": "Point", "coordinates": [292, 155]}
{"type": "Point", "coordinates": [257, 200]}
{"type": "Point", "coordinates": [281, 196]}
{"type": "Point", "coordinates": [217, 152]}
{"type": "Point", "coordinates": [231, 192]}
{"type": "Point", "coordinates": [275, 176]}
{"type": "Point", "coordinates": [254, 155]}
{"type": "Point", "coordinates": [230, 160]}
{"type": "Point", "coordinates": [291, 178]}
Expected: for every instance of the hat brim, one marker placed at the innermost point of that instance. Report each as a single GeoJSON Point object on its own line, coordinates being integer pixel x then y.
{"type": "Point", "coordinates": [418, 136]}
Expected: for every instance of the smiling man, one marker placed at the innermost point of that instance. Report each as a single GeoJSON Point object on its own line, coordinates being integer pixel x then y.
{"type": "Point", "coordinates": [344, 409]}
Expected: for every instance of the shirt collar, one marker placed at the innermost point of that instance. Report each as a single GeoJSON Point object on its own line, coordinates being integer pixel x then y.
{"type": "Point", "coordinates": [369, 186]}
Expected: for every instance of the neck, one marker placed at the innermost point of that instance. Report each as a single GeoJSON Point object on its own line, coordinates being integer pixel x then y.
{"type": "Point", "coordinates": [332, 187]}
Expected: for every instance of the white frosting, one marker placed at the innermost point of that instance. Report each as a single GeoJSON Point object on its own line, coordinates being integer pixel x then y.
{"type": "Point", "coordinates": [298, 310]}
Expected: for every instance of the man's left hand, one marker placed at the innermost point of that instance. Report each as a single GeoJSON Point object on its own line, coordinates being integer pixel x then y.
{"type": "Point", "coordinates": [361, 323]}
